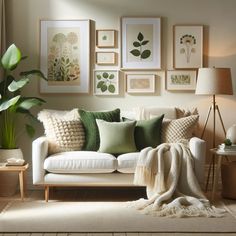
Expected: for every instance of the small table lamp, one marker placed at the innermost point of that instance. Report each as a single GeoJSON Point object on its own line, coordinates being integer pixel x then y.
{"type": "Point", "coordinates": [213, 81]}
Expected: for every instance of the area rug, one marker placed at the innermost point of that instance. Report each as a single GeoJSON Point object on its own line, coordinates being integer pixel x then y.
{"type": "Point", "coordinates": [39, 216]}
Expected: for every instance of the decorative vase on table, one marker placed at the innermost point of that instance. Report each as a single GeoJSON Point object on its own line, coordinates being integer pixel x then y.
{"type": "Point", "coordinates": [231, 134]}
{"type": "Point", "coordinates": [9, 180]}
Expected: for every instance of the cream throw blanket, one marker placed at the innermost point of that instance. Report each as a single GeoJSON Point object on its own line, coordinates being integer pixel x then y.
{"type": "Point", "coordinates": [172, 187]}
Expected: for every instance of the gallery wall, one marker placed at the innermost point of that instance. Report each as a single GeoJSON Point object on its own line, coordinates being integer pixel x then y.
{"type": "Point", "coordinates": [218, 18]}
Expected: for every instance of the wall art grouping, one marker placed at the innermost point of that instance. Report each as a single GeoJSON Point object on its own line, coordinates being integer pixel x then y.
{"type": "Point", "coordinates": [65, 50]}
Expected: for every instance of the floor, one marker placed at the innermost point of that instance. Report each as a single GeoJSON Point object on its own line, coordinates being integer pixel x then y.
{"type": "Point", "coordinates": [104, 194]}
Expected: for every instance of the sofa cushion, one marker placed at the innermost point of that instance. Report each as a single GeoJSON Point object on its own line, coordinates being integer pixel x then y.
{"type": "Point", "coordinates": [92, 140]}
{"type": "Point", "coordinates": [116, 137]}
{"type": "Point", "coordinates": [80, 162]}
{"type": "Point", "coordinates": [179, 129]}
{"type": "Point", "coordinates": [63, 129]}
{"type": "Point", "coordinates": [127, 162]}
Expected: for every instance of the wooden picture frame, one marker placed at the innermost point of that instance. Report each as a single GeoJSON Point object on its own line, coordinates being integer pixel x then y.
{"type": "Point", "coordinates": [182, 80]}
{"type": "Point", "coordinates": [140, 83]}
{"type": "Point", "coordinates": [105, 38]}
{"type": "Point", "coordinates": [106, 82]}
{"type": "Point", "coordinates": [105, 58]}
{"type": "Point", "coordinates": [187, 46]}
{"type": "Point", "coordinates": [140, 43]}
{"type": "Point", "coordinates": [65, 56]}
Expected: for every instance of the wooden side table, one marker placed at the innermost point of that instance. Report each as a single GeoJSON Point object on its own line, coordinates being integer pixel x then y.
{"type": "Point", "coordinates": [21, 170]}
{"type": "Point", "coordinates": [219, 155]}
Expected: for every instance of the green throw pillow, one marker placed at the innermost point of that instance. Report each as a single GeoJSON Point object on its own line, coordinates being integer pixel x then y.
{"type": "Point", "coordinates": [116, 137]}
{"type": "Point", "coordinates": [148, 132]}
{"type": "Point", "coordinates": [88, 119]}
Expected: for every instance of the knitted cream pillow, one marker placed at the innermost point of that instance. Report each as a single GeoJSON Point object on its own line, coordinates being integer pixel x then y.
{"type": "Point", "coordinates": [63, 129]}
{"type": "Point", "coordinates": [180, 129]}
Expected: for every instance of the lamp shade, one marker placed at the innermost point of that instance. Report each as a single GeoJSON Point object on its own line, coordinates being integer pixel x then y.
{"type": "Point", "coordinates": [211, 81]}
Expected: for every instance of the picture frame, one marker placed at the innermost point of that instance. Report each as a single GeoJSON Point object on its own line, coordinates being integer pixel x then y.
{"type": "Point", "coordinates": [106, 82]}
{"type": "Point", "coordinates": [140, 43]}
{"type": "Point", "coordinates": [140, 83]}
{"type": "Point", "coordinates": [65, 56]}
{"type": "Point", "coordinates": [105, 38]}
{"type": "Point", "coordinates": [187, 46]}
{"type": "Point", "coordinates": [105, 58]}
{"type": "Point", "coordinates": [182, 80]}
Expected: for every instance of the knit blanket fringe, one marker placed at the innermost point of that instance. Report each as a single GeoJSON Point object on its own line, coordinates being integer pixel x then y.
{"type": "Point", "coordinates": [171, 185]}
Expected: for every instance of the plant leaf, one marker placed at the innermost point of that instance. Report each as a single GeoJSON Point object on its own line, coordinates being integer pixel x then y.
{"type": "Point", "coordinates": [100, 84]}
{"type": "Point", "coordinates": [99, 77]}
{"type": "Point", "coordinates": [112, 76]}
{"type": "Point", "coordinates": [105, 75]}
{"type": "Point", "coordinates": [136, 44]}
{"type": "Point", "coordinates": [15, 85]}
{"type": "Point", "coordinates": [33, 72]}
{"type": "Point", "coordinates": [104, 88]}
{"type": "Point", "coordinates": [135, 52]}
{"type": "Point", "coordinates": [111, 88]}
{"type": "Point", "coordinates": [28, 103]}
{"type": "Point", "coordinates": [30, 130]}
{"type": "Point", "coordinates": [11, 58]}
{"type": "Point", "coordinates": [140, 36]}
{"type": "Point", "coordinates": [145, 42]}
{"type": "Point", "coordinates": [5, 105]}
{"type": "Point", "coordinates": [145, 54]}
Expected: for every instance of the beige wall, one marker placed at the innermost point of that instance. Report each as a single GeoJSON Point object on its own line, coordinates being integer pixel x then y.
{"type": "Point", "coordinates": [217, 16]}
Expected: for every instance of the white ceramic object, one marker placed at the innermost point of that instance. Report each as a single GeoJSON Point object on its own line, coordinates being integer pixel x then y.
{"type": "Point", "coordinates": [9, 180]}
{"type": "Point", "coordinates": [231, 134]}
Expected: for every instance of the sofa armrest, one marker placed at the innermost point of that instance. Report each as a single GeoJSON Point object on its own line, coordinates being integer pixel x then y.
{"type": "Point", "coordinates": [39, 153]}
{"type": "Point", "coordinates": [198, 149]}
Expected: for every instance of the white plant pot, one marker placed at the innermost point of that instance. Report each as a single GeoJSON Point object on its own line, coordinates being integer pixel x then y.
{"type": "Point", "coordinates": [9, 180]}
{"type": "Point", "coordinates": [231, 134]}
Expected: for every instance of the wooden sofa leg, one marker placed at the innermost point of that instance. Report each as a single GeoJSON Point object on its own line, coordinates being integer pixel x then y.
{"type": "Point", "coordinates": [46, 193]}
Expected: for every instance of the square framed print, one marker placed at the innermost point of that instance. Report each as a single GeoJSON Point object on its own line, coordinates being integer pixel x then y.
{"type": "Point", "coordinates": [105, 58]}
{"type": "Point", "coordinates": [140, 83]}
{"type": "Point", "coordinates": [188, 46]}
{"type": "Point", "coordinates": [105, 38]}
{"type": "Point", "coordinates": [181, 80]}
{"type": "Point", "coordinates": [106, 82]}
{"type": "Point", "coordinates": [65, 56]}
{"type": "Point", "coordinates": [140, 43]}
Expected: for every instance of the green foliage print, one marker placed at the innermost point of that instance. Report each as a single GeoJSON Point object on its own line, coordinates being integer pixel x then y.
{"type": "Point", "coordinates": [106, 82]}
{"type": "Point", "coordinates": [138, 51]}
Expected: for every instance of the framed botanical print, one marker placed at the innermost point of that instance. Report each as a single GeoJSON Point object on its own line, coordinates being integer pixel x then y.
{"type": "Point", "coordinates": [140, 83]}
{"type": "Point", "coordinates": [105, 58]}
{"type": "Point", "coordinates": [106, 82]}
{"type": "Point", "coordinates": [181, 80]}
{"type": "Point", "coordinates": [188, 46]}
{"type": "Point", "coordinates": [65, 56]}
{"type": "Point", "coordinates": [105, 38]}
{"type": "Point", "coordinates": [140, 43]}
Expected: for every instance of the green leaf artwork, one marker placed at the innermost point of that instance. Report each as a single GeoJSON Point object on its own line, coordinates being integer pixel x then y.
{"type": "Point", "coordinates": [106, 82]}
{"type": "Point", "coordinates": [139, 51]}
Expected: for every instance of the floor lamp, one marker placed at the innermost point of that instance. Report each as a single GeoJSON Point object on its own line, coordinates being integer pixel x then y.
{"type": "Point", "coordinates": [213, 81]}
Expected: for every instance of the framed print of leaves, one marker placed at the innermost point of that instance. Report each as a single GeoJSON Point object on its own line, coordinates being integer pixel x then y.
{"type": "Point", "coordinates": [106, 82]}
{"type": "Point", "coordinates": [188, 46]}
{"type": "Point", "coordinates": [140, 43]}
{"type": "Point", "coordinates": [65, 56]}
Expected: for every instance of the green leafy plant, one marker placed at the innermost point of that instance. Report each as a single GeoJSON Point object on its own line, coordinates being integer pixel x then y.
{"type": "Point", "coordinates": [138, 51]}
{"type": "Point", "coordinates": [106, 82]}
{"type": "Point", "coordinates": [12, 102]}
{"type": "Point", "coordinates": [228, 142]}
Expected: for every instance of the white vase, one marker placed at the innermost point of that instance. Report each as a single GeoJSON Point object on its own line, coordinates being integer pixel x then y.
{"type": "Point", "coordinates": [231, 134]}
{"type": "Point", "coordinates": [9, 180]}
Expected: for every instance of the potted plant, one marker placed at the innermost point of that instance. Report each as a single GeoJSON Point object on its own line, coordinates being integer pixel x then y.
{"type": "Point", "coordinates": [13, 103]}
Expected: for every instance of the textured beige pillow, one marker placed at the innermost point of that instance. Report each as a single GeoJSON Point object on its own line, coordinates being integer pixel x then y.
{"type": "Point", "coordinates": [180, 129]}
{"type": "Point", "coordinates": [63, 129]}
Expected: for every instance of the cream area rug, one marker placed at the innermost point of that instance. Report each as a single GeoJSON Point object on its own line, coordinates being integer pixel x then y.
{"type": "Point", "coordinates": [39, 216]}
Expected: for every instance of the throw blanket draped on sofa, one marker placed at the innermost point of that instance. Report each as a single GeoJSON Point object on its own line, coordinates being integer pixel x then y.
{"type": "Point", "coordinates": [172, 187]}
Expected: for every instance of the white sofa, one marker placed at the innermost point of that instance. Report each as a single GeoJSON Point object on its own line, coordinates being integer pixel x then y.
{"type": "Point", "coordinates": [89, 168]}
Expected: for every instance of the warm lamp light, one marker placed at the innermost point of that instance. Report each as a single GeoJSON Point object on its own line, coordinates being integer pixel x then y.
{"type": "Point", "coordinates": [213, 81]}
